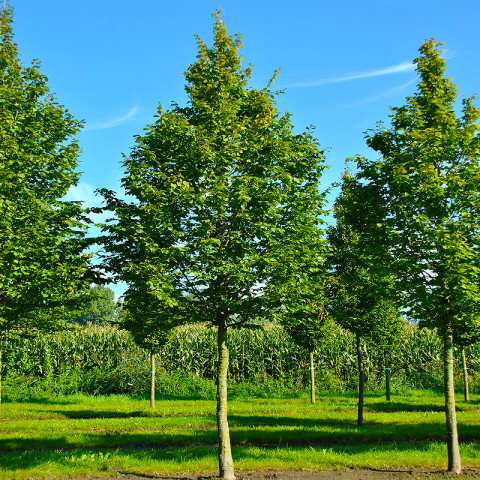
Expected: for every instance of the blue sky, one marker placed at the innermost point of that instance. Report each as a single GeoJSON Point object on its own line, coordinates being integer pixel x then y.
{"type": "Point", "coordinates": [343, 63]}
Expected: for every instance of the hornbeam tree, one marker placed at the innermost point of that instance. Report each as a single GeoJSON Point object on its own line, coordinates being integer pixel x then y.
{"type": "Point", "coordinates": [305, 316]}
{"type": "Point", "coordinates": [359, 296]}
{"type": "Point", "coordinates": [43, 269]}
{"type": "Point", "coordinates": [309, 325]}
{"type": "Point", "coordinates": [150, 324]}
{"type": "Point", "coordinates": [42, 237]}
{"type": "Point", "coordinates": [428, 180]}
{"type": "Point", "coordinates": [225, 205]}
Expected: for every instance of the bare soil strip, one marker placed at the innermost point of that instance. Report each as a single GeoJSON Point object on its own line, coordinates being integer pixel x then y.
{"type": "Point", "coordinates": [354, 474]}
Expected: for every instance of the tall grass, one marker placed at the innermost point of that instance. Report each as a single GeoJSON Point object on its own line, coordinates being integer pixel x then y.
{"type": "Point", "coordinates": [105, 360]}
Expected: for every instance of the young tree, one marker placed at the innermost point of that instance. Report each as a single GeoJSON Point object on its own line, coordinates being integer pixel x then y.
{"type": "Point", "coordinates": [385, 338]}
{"type": "Point", "coordinates": [150, 324]}
{"type": "Point", "coordinates": [428, 180]}
{"type": "Point", "coordinates": [359, 296]}
{"type": "Point", "coordinates": [309, 324]}
{"type": "Point", "coordinates": [226, 205]}
{"type": "Point", "coordinates": [42, 237]}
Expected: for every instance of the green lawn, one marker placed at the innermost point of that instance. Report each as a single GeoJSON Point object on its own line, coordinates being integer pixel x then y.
{"type": "Point", "coordinates": [80, 435]}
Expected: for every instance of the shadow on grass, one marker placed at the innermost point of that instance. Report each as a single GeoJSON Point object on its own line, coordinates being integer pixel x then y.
{"type": "Point", "coordinates": [39, 400]}
{"type": "Point", "coordinates": [92, 414]}
{"type": "Point", "coordinates": [95, 458]}
{"type": "Point", "coordinates": [405, 407]}
{"type": "Point", "coordinates": [245, 430]}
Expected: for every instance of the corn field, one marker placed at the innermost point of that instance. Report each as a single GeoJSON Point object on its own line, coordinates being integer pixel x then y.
{"type": "Point", "coordinates": [102, 360]}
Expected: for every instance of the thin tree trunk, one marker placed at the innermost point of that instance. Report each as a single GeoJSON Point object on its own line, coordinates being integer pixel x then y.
{"type": "Point", "coordinates": [225, 460]}
{"type": "Point", "coordinates": [152, 383]}
{"type": "Point", "coordinates": [387, 378]}
{"type": "Point", "coordinates": [454, 461]}
{"type": "Point", "coordinates": [466, 391]}
{"type": "Point", "coordinates": [312, 379]}
{"type": "Point", "coordinates": [360, 379]}
{"type": "Point", "coordinates": [1, 351]}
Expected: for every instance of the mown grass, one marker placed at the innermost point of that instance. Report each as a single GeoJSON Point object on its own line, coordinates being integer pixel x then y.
{"type": "Point", "coordinates": [95, 436]}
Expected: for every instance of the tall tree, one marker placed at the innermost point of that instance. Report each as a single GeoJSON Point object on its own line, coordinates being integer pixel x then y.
{"type": "Point", "coordinates": [42, 237]}
{"type": "Point", "coordinates": [42, 267]}
{"type": "Point", "coordinates": [226, 205]}
{"type": "Point", "coordinates": [428, 180]}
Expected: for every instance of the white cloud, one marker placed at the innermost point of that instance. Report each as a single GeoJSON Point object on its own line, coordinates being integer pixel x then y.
{"type": "Point", "coordinates": [400, 68]}
{"type": "Point", "coordinates": [82, 192]}
{"type": "Point", "coordinates": [384, 94]}
{"type": "Point", "coordinates": [113, 122]}
{"type": "Point", "coordinates": [85, 193]}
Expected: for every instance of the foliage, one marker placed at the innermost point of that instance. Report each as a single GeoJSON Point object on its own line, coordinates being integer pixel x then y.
{"type": "Point", "coordinates": [428, 179]}
{"type": "Point", "coordinates": [360, 298]}
{"type": "Point", "coordinates": [42, 237]}
{"type": "Point", "coordinates": [308, 328]}
{"type": "Point", "coordinates": [146, 318]}
{"type": "Point", "coordinates": [100, 307]}
{"type": "Point", "coordinates": [226, 196]}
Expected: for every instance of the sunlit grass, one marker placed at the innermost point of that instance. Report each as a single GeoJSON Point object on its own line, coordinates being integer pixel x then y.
{"type": "Point", "coordinates": [81, 435]}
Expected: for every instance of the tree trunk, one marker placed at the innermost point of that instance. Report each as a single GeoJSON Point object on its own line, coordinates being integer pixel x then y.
{"type": "Point", "coordinates": [152, 382]}
{"type": "Point", "coordinates": [454, 461]}
{"type": "Point", "coordinates": [360, 380]}
{"type": "Point", "coordinates": [225, 461]}
{"type": "Point", "coordinates": [387, 378]}
{"type": "Point", "coordinates": [1, 351]}
{"type": "Point", "coordinates": [465, 377]}
{"type": "Point", "coordinates": [312, 379]}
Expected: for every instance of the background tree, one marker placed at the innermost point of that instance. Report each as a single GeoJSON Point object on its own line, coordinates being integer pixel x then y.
{"type": "Point", "coordinates": [42, 237]}
{"type": "Point", "coordinates": [386, 337]}
{"type": "Point", "coordinates": [428, 180]}
{"type": "Point", "coordinates": [150, 324]}
{"type": "Point", "coordinates": [227, 205]}
{"type": "Point", "coordinates": [359, 297]}
{"type": "Point", "coordinates": [100, 307]}
{"type": "Point", "coordinates": [306, 319]}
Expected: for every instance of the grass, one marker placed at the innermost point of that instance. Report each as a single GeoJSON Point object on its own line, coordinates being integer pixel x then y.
{"type": "Point", "coordinates": [97, 436]}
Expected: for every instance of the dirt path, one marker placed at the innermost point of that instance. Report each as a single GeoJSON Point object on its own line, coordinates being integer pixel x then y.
{"type": "Point", "coordinates": [425, 474]}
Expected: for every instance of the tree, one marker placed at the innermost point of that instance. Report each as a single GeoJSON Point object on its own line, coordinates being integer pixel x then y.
{"type": "Point", "coordinates": [386, 336]}
{"type": "Point", "coordinates": [463, 337]}
{"type": "Point", "coordinates": [100, 307]}
{"type": "Point", "coordinates": [42, 237]}
{"type": "Point", "coordinates": [150, 324]}
{"type": "Point", "coordinates": [226, 205]}
{"type": "Point", "coordinates": [360, 298]}
{"type": "Point", "coordinates": [307, 322]}
{"type": "Point", "coordinates": [428, 179]}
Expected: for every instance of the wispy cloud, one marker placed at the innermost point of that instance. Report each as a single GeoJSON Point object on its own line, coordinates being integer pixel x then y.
{"type": "Point", "coordinates": [114, 122]}
{"type": "Point", "coordinates": [400, 68]}
{"type": "Point", "coordinates": [85, 193]}
{"type": "Point", "coordinates": [386, 93]}
{"type": "Point", "coordinates": [82, 192]}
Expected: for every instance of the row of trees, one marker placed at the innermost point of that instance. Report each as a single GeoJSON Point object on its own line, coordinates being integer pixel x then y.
{"type": "Point", "coordinates": [225, 222]}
